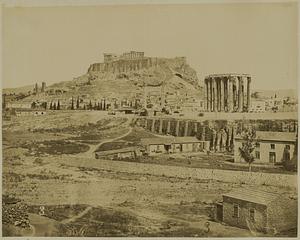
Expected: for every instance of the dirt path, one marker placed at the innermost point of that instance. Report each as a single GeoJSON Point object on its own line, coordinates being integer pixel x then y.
{"type": "Point", "coordinates": [93, 148]}
{"type": "Point", "coordinates": [85, 211]}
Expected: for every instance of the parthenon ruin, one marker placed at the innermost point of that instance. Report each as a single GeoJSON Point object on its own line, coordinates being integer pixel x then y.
{"type": "Point", "coordinates": [129, 61]}
{"type": "Point", "coordinates": [227, 92]}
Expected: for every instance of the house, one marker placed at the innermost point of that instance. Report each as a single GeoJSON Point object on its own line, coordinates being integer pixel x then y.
{"type": "Point", "coordinates": [271, 147]}
{"type": "Point", "coordinates": [119, 154]}
{"type": "Point", "coordinates": [154, 146]}
{"type": "Point", "coordinates": [274, 103]}
{"type": "Point", "coordinates": [257, 106]}
{"type": "Point", "coordinates": [27, 112]}
{"type": "Point", "coordinates": [258, 210]}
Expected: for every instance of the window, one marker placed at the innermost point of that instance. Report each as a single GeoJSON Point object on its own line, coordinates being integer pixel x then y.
{"type": "Point", "coordinates": [257, 154]}
{"type": "Point", "coordinates": [272, 157]}
{"type": "Point", "coordinates": [288, 147]}
{"type": "Point", "coordinates": [236, 210]}
{"type": "Point", "coordinates": [252, 214]}
{"type": "Point", "coordinates": [272, 146]}
{"type": "Point", "coordinates": [257, 144]}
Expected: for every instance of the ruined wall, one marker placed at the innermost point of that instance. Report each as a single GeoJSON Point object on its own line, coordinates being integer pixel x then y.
{"type": "Point", "coordinates": [220, 133]}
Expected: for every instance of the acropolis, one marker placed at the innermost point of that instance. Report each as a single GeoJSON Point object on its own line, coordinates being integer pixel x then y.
{"type": "Point", "coordinates": [128, 61]}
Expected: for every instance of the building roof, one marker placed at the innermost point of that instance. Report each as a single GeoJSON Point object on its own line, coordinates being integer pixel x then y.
{"type": "Point", "coordinates": [253, 195]}
{"type": "Point", "coordinates": [168, 140]}
{"type": "Point", "coordinates": [115, 151]}
{"type": "Point", "coordinates": [274, 136]}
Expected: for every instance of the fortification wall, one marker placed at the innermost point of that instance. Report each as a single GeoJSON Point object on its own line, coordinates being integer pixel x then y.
{"type": "Point", "coordinates": [123, 66]}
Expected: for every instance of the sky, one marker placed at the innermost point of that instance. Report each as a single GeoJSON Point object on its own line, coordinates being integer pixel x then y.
{"type": "Point", "coordinates": [54, 44]}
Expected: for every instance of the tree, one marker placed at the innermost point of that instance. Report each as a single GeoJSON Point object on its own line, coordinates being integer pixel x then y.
{"type": "Point", "coordinates": [54, 106]}
{"type": "Point", "coordinates": [104, 105]}
{"type": "Point", "coordinates": [248, 145]}
{"type": "Point", "coordinates": [77, 103]}
{"type": "Point", "coordinates": [90, 105]}
{"type": "Point", "coordinates": [84, 107]}
{"type": "Point", "coordinates": [33, 105]}
{"type": "Point", "coordinates": [58, 105]}
{"type": "Point", "coordinates": [51, 106]}
{"type": "Point", "coordinates": [72, 104]}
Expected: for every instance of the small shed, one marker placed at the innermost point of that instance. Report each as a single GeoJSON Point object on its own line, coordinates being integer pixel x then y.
{"type": "Point", "coordinates": [259, 210]}
{"type": "Point", "coordinates": [119, 154]}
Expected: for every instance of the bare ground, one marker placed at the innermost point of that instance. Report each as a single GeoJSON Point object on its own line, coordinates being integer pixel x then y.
{"type": "Point", "coordinates": [87, 197]}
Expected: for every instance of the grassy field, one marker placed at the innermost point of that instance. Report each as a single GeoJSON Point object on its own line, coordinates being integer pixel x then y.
{"type": "Point", "coordinates": [84, 196]}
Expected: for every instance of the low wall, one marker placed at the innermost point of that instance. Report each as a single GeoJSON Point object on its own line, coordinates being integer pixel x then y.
{"type": "Point", "coordinates": [252, 178]}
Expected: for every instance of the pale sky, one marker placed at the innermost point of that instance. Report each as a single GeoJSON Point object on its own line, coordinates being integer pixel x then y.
{"type": "Point", "coordinates": [54, 44]}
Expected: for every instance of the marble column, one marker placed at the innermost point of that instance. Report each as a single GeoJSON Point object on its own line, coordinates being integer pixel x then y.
{"type": "Point", "coordinates": [230, 94]}
{"type": "Point", "coordinates": [160, 126]}
{"type": "Point", "coordinates": [186, 128]}
{"type": "Point", "coordinates": [240, 94]}
{"type": "Point", "coordinates": [208, 95]}
{"type": "Point", "coordinates": [195, 128]}
{"type": "Point", "coordinates": [215, 99]}
{"type": "Point", "coordinates": [169, 127]}
{"type": "Point", "coordinates": [177, 128]}
{"type": "Point", "coordinates": [248, 93]}
{"type": "Point", "coordinates": [153, 125]}
{"type": "Point", "coordinates": [222, 95]}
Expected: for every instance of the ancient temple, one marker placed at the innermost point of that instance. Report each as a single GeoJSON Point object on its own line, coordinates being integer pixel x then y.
{"type": "Point", "coordinates": [227, 92]}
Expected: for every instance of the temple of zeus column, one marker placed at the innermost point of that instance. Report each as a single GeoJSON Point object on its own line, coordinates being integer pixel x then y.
{"type": "Point", "coordinates": [227, 93]}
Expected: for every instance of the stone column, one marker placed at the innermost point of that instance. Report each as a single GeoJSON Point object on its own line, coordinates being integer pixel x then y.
{"type": "Point", "coordinates": [222, 95]}
{"type": "Point", "coordinates": [168, 127]}
{"type": "Point", "coordinates": [153, 125]}
{"type": "Point", "coordinates": [218, 141]}
{"type": "Point", "coordinates": [160, 126]}
{"type": "Point", "coordinates": [195, 128]}
{"type": "Point", "coordinates": [240, 92]}
{"type": "Point", "coordinates": [203, 133]}
{"type": "Point", "coordinates": [215, 99]}
{"type": "Point", "coordinates": [186, 128]}
{"type": "Point", "coordinates": [205, 95]}
{"type": "Point", "coordinates": [177, 128]}
{"type": "Point", "coordinates": [208, 95]}
{"type": "Point", "coordinates": [248, 93]}
{"type": "Point", "coordinates": [230, 94]}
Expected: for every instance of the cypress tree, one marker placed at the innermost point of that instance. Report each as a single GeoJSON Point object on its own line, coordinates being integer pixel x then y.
{"type": "Point", "coordinates": [77, 103]}
{"type": "Point", "coordinates": [54, 106]}
{"type": "Point", "coordinates": [58, 105]}
{"type": "Point", "coordinates": [104, 105]}
{"type": "Point", "coordinates": [72, 104]}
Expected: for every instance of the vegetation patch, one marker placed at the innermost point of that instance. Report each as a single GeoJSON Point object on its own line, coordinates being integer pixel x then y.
{"type": "Point", "coordinates": [55, 147]}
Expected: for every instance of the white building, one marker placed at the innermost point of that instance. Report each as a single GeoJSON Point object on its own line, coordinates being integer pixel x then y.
{"type": "Point", "coordinates": [270, 148]}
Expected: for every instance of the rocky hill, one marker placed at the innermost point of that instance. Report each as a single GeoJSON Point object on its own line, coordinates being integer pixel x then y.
{"type": "Point", "coordinates": [173, 74]}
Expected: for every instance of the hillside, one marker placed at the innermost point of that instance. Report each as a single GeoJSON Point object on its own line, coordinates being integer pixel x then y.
{"type": "Point", "coordinates": [175, 75]}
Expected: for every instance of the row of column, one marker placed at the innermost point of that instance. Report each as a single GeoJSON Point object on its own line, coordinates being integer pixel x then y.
{"type": "Point", "coordinates": [133, 55]}
{"type": "Point", "coordinates": [227, 93]}
{"type": "Point", "coordinates": [220, 140]}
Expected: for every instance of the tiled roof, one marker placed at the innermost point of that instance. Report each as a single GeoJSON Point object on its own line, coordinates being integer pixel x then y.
{"type": "Point", "coordinates": [115, 151]}
{"type": "Point", "coordinates": [253, 195]}
{"type": "Point", "coordinates": [273, 136]}
{"type": "Point", "coordinates": [169, 140]}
